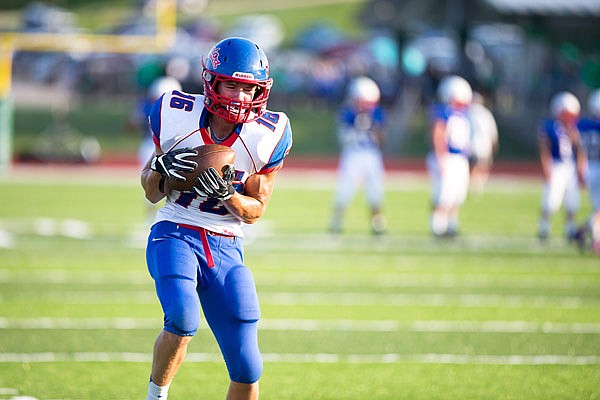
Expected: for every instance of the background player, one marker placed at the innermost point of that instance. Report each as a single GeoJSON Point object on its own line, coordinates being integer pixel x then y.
{"type": "Point", "coordinates": [360, 133]}
{"type": "Point", "coordinates": [195, 249]}
{"type": "Point", "coordinates": [563, 163]}
{"type": "Point", "coordinates": [139, 119]}
{"type": "Point", "coordinates": [448, 162]}
{"type": "Point", "coordinates": [589, 129]}
{"type": "Point", "coordinates": [484, 141]}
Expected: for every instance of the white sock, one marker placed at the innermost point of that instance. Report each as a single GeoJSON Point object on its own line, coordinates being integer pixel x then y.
{"type": "Point", "coordinates": [156, 392]}
{"type": "Point", "coordinates": [439, 223]}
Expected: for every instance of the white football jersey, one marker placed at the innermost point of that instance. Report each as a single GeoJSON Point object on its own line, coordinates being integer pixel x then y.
{"type": "Point", "coordinates": [179, 120]}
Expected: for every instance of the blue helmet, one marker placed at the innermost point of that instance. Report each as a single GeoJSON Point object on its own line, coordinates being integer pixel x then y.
{"type": "Point", "coordinates": [240, 60]}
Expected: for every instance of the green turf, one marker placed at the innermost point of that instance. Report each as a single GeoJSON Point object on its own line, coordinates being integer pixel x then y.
{"type": "Point", "coordinates": [491, 315]}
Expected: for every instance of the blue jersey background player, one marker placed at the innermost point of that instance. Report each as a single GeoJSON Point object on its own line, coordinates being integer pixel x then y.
{"type": "Point", "coordinates": [589, 129]}
{"type": "Point", "coordinates": [448, 160]}
{"type": "Point", "coordinates": [360, 133]}
{"type": "Point", "coordinates": [195, 248]}
{"type": "Point", "coordinates": [563, 163]}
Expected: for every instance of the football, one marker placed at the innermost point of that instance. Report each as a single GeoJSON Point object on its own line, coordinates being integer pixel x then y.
{"type": "Point", "coordinates": [209, 155]}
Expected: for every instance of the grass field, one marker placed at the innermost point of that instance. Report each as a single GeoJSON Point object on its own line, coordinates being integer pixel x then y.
{"type": "Point", "coordinates": [491, 315]}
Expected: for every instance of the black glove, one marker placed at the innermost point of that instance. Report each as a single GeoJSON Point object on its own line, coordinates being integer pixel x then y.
{"type": "Point", "coordinates": [210, 184]}
{"type": "Point", "coordinates": [172, 163]}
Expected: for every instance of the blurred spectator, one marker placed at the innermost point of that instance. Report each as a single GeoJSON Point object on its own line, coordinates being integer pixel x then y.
{"type": "Point", "coordinates": [264, 29]}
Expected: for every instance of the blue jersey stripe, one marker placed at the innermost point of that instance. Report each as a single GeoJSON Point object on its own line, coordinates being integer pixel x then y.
{"type": "Point", "coordinates": [154, 119]}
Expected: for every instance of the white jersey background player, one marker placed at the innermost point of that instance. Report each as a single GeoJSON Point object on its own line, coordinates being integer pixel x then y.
{"type": "Point", "coordinates": [563, 163]}
{"type": "Point", "coordinates": [158, 87]}
{"type": "Point", "coordinates": [146, 148]}
{"type": "Point", "coordinates": [360, 133]}
{"type": "Point", "coordinates": [484, 141]}
{"type": "Point", "coordinates": [448, 161]}
{"type": "Point", "coordinates": [589, 129]}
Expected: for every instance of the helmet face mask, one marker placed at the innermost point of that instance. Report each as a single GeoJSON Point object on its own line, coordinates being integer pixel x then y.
{"type": "Point", "coordinates": [236, 60]}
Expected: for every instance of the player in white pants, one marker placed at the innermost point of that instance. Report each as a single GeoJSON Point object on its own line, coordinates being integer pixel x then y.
{"type": "Point", "coordinates": [360, 134]}
{"type": "Point", "coordinates": [448, 161]}
{"type": "Point", "coordinates": [589, 129]}
{"type": "Point", "coordinates": [484, 140]}
{"type": "Point", "coordinates": [563, 163]}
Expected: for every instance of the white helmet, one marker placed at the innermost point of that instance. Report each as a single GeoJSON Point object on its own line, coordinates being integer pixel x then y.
{"type": "Point", "coordinates": [594, 103]}
{"type": "Point", "coordinates": [162, 85]}
{"type": "Point", "coordinates": [564, 102]}
{"type": "Point", "coordinates": [455, 89]}
{"type": "Point", "coordinates": [365, 90]}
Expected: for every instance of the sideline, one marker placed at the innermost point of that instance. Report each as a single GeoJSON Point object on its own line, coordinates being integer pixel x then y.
{"type": "Point", "coordinates": [120, 168]}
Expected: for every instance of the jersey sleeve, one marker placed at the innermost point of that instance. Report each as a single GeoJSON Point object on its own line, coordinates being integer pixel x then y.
{"type": "Point", "coordinates": [543, 128]}
{"type": "Point", "coordinates": [154, 119]}
{"type": "Point", "coordinates": [438, 112]}
{"type": "Point", "coordinates": [280, 151]}
{"type": "Point", "coordinates": [379, 116]}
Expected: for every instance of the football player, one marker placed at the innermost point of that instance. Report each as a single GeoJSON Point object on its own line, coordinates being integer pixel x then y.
{"type": "Point", "coordinates": [195, 248]}
{"type": "Point", "coordinates": [448, 161]}
{"type": "Point", "coordinates": [589, 129]}
{"type": "Point", "coordinates": [360, 133]}
{"type": "Point", "coordinates": [563, 163]}
{"type": "Point", "coordinates": [484, 139]}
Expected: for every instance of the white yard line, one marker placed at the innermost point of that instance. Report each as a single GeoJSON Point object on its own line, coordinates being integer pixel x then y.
{"type": "Point", "coordinates": [308, 279]}
{"type": "Point", "coordinates": [390, 358]}
{"type": "Point", "coordinates": [428, 300]}
{"type": "Point", "coordinates": [311, 325]}
{"type": "Point", "coordinates": [335, 299]}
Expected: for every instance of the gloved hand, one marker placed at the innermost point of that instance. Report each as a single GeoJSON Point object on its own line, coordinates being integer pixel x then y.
{"type": "Point", "coordinates": [210, 184]}
{"type": "Point", "coordinates": [172, 163]}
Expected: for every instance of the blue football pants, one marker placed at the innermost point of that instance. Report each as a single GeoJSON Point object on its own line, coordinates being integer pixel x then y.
{"type": "Point", "coordinates": [180, 260]}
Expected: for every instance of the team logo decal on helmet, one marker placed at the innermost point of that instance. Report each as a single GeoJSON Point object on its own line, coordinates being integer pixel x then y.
{"type": "Point", "coordinates": [214, 57]}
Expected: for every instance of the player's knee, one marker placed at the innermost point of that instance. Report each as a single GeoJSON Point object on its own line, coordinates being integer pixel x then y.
{"type": "Point", "coordinates": [182, 318]}
{"type": "Point", "coordinates": [246, 369]}
{"type": "Point", "coordinates": [239, 285]}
